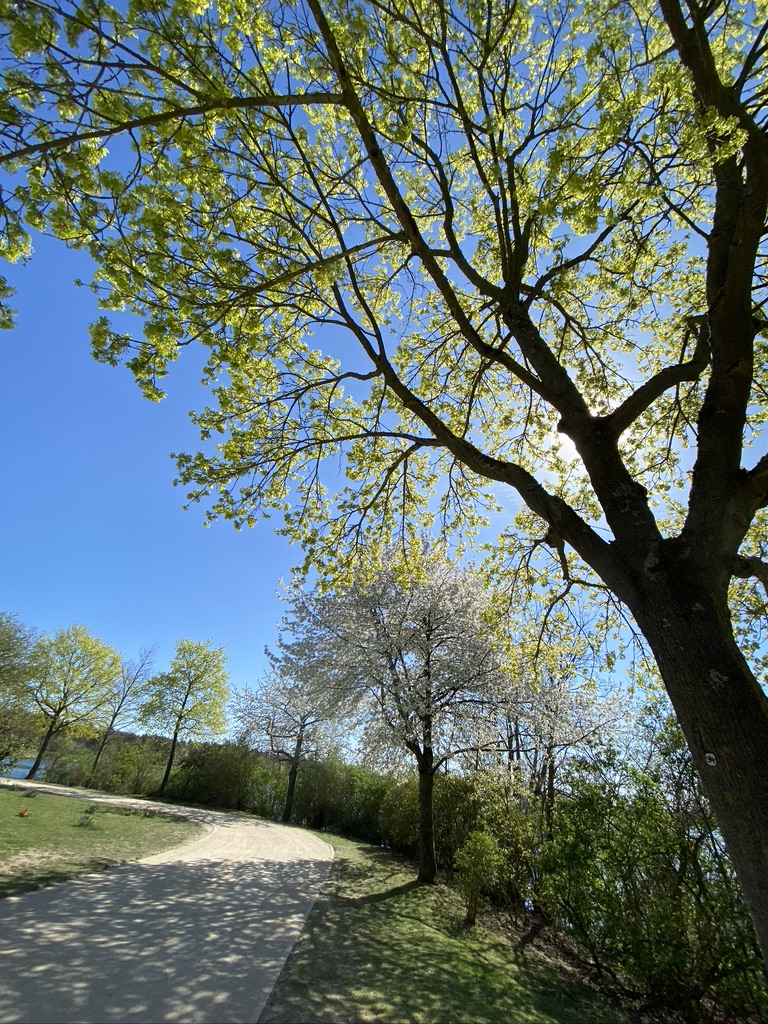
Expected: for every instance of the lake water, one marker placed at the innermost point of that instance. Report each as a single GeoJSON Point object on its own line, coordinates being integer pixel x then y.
{"type": "Point", "coordinates": [20, 768]}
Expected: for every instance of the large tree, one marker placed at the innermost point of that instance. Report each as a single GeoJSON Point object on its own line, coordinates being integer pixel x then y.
{"type": "Point", "coordinates": [70, 677]}
{"type": "Point", "coordinates": [532, 236]}
{"type": "Point", "coordinates": [188, 700]}
{"type": "Point", "coordinates": [407, 645]}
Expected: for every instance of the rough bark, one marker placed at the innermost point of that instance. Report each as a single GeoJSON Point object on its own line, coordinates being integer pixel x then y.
{"type": "Point", "coordinates": [169, 765]}
{"type": "Point", "coordinates": [427, 857]}
{"type": "Point", "coordinates": [49, 734]}
{"type": "Point", "coordinates": [722, 711]}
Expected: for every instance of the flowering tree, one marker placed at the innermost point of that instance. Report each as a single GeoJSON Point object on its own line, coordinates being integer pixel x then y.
{"type": "Point", "coordinates": [560, 703]}
{"type": "Point", "coordinates": [409, 647]}
{"type": "Point", "coordinates": [289, 714]}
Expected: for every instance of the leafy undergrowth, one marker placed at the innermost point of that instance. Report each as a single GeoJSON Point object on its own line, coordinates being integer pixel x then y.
{"type": "Point", "coordinates": [60, 837]}
{"type": "Point", "coordinates": [378, 947]}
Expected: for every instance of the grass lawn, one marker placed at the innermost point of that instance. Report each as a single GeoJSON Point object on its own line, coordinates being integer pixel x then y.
{"type": "Point", "coordinates": [379, 948]}
{"type": "Point", "coordinates": [55, 841]}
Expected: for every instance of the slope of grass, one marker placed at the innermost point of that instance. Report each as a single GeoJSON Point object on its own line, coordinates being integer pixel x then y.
{"type": "Point", "coordinates": [55, 840]}
{"type": "Point", "coordinates": [377, 947]}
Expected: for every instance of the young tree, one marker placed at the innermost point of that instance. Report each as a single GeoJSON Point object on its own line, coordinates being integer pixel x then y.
{"type": "Point", "coordinates": [408, 644]}
{"type": "Point", "coordinates": [290, 715]}
{"type": "Point", "coordinates": [188, 700]}
{"type": "Point", "coordinates": [636, 872]}
{"type": "Point", "coordinates": [123, 700]}
{"type": "Point", "coordinates": [70, 677]}
{"type": "Point", "coordinates": [542, 227]}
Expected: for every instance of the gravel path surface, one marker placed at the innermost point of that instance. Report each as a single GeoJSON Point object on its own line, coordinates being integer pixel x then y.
{"type": "Point", "coordinates": [198, 933]}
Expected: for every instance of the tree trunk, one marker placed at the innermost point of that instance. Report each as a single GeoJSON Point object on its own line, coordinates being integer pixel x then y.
{"type": "Point", "coordinates": [723, 714]}
{"type": "Point", "coordinates": [100, 751]}
{"type": "Point", "coordinates": [427, 859]}
{"type": "Point", "coordinates": [168, 767]}
{"type": "Point", "coordinates": [49, 734]}
{"type": "Point", "coordinates": [292, 773]}
{"type": "Point", "coordinates": [548, 795]}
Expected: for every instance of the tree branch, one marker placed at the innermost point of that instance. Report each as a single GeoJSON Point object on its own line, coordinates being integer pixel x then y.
{"type": "Point", "coordinates": [747, 567]}
{"type": "Point", "coordinates": [175, 114]}
{"type": "Point", "coordinates": [631, 408]}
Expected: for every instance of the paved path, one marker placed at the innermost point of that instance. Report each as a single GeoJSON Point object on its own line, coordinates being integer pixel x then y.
{"type": "Point", "coordinates": [198, 933]}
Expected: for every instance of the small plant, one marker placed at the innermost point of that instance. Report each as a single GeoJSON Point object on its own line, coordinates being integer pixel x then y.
{"type": "Point", "coordinates": [477, 863]}
{"type": "Point", "coordinates": [30, 793]}
{"type": "Point", "coordinates": [24, 812]}
{"type": "Point", "coordinates": [86, 819]}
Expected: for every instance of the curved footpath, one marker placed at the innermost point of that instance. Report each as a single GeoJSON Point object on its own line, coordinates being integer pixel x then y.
{"type": "Point", "coordinates": [198, 933]}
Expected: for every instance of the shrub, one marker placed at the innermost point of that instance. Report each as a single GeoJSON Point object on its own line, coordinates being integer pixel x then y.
{"type": "Point", "coordinates": [637, 874]}
{"type": "Point", "coordinates": [218, 775]}
{"type": "Point", "coordinates": [340, 797]}
{"type": "Point", "coordinates": [399, 817]}
{"type": "Point", "coordinates": [455, 809]}
{"type": "Point", "coordinates": [86, 819]}
{"type": "Point", "coordinates": [133, 766]}
{"type": "Point", "coordinates": [477, 864]}
{"type": "Point", "coordinates": [455, 804]}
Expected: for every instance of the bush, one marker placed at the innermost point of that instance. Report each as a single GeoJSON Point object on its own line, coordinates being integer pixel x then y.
{"type": "Point", "coordinates": [270, 784]}
{"type": "Point", "coordinates": [68, 762]}
{"type": "Point", "coordinates": [636, 872]}
{"type": "Point", "coordinates": [477, 864]}
{"type": "Point", "coordinates": [218, 775]}
{"type": "Point", "coordinates": [512, 814]}
{"type": "Point", "coordinates": [456, 805]}
{"type": "Point", "coordinates": [132, 765]}
{"type": "Point", "coordinates": [86, 819]}
{"type": "Point", "coordinates": [338, 797]}
{"type": "Point", "coordinates": [399, 817]}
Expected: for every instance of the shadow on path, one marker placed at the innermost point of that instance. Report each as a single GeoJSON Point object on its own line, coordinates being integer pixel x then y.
{"type": "Point", "coordinates": [175, 941]}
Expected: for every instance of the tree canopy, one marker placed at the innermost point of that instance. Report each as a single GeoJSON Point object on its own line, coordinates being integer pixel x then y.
{"type": "Point", "coordinates": [16, 704]}
{"type": "Point", "coordinates": [465, 248]}
{"type": "Point", "coordinates": [188, 700]}
{"type": "Point", "coordinates": [70, 677]}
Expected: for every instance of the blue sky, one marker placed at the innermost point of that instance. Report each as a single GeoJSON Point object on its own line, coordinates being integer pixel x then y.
{"type": "Point", "coordinates": [93, 530]}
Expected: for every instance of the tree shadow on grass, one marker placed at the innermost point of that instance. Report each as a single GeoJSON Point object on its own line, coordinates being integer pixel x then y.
{"type": "Point", "coordinates": [28, 880]}
{"type": "Point", "coordinates": [372, 959]}
{"type": "Point", "coordinates": [386, 894]}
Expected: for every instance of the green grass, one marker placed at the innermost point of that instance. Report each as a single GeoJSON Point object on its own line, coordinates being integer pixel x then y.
{"type": "Point", "coordinates": [379, 948]}
{"type": "Point", "coordinates": [52, 844]}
